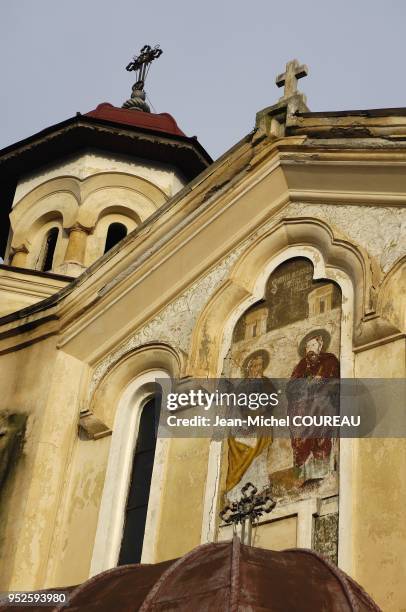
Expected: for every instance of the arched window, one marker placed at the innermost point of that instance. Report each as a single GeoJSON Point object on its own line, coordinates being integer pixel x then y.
{"type": "Point", "coordinates": [48, 250]}
{"type": "Point", "coordinates": [115, 233]}
{"type": "Point", "coordinates": [140, 484]}
{"type": "Point", "coordinates": [120, 474]}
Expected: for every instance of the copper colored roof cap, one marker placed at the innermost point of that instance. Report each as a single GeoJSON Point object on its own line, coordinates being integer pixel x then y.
{"type": "Point", "coordinates": [227, 577]}
{"type": "Point", "coordinates": [162, 122]}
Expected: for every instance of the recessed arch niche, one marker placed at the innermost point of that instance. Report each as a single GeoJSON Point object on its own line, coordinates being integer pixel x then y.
{"type": "Point", "coordinates": [297, 317]}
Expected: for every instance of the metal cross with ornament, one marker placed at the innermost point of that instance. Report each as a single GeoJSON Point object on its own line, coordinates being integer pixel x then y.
{"type": "Point", "coordinates": [142, 62]}
{"type": "Point", "coordinates": [247, 510]}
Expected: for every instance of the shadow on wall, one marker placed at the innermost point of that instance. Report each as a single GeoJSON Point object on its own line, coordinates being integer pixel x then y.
{"type": "Point", "coordinates": [12, 432]}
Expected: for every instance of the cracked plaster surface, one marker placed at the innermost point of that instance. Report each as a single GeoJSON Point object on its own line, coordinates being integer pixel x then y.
{"type": "Point", "coordinates": [381, 231]}
{"type": "Point", "coordinates": [175, 323]}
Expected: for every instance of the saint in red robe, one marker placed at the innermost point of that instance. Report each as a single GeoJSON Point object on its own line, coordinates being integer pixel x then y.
{"type": "Point", "coordinates": [313, 390]}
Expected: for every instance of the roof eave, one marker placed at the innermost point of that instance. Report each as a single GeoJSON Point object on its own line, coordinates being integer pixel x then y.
{"type": "Point", "coordinates": [80, 132]}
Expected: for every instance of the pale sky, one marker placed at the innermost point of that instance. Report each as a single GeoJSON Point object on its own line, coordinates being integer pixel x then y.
{"type": "Point", "coordinates": [219, 64]}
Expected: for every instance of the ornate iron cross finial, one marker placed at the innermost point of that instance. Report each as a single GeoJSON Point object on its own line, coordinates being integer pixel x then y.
{"type": "Point", "coordinates": [293, 72]}
{"type": "Point", "coordinates": [249, 508]}
{"type": "Point", "coordinates": [141, 65]}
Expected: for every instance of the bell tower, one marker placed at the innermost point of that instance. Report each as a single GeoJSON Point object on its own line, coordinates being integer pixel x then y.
{"type": "Point", "coordinates": [78, 188]}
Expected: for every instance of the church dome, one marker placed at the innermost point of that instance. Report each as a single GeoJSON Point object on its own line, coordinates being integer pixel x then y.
{"type": "Point", "coordinates": [157, 122]}
{"type": "Point", "coordinates": [226, 576]}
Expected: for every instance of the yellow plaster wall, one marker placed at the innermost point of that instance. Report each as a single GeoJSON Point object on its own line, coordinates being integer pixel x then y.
{"type": "Point", "coordinates": [72, 545]}
{"type": "Point", "coordinates": [43, 383]}
{"type": "Point", "coordinates": [52, 501]}
{"type": "Point", "coordinates": [379, 501]}
{"type": "Point", "coordinates": [21, 289]}
{"type": "Point", "coordinates": [24, 385]}
{"type": "Point", "coordinates": [181, 511]}
{"type": "Point", "coordinates": [183, 497]}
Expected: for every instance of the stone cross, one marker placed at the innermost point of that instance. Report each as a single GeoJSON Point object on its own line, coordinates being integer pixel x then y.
{"type": "Point", "coordinates": [293, 72]}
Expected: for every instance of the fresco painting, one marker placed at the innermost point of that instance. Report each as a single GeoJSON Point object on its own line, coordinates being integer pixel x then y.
{"type": "Point", "coordinates": [292, 333]}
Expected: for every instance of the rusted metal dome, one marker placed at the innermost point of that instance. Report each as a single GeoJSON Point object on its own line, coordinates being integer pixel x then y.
{"type": "Point", "coordinates": [224, 577]}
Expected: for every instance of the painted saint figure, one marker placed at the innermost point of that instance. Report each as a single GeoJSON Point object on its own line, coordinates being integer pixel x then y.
{"type": "Point", "coordinates": [313, 390]}
{"type": "Point", "coordinates": [241, 453]}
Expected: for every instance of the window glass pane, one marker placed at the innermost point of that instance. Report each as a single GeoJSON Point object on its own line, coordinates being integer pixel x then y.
{"type": "Point", "coordinates": [140, 484]}
{"type": "Point", "coordinates": [49, 249]}
{"type": "Point", "coordinates": [115, 233]}
{"type": "Point", "coordinates": [133, 536]}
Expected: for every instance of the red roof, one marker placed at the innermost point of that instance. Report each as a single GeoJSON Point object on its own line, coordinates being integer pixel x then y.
{"type": "Point", "coordinates": [162, 122]}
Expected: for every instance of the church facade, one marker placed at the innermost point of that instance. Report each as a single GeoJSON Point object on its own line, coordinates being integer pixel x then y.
{"type": "Point", "coordinates": [129, 256]}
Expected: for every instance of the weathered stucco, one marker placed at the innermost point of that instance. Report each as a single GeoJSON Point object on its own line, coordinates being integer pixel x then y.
{"type": "Point", "coordinates": [381, 230]}
{"type": "Point", "coordinates": [167, 299]}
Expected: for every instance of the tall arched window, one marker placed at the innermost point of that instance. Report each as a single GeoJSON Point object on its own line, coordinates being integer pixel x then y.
{"type": "Point", "coordinates": [48, 251]}
{"type": "Point", "coordinates": [115, 233]}
{"type": "Point", "coordinates": [120, 473]}
{"type": "Point", "coordinates": [140, 484]}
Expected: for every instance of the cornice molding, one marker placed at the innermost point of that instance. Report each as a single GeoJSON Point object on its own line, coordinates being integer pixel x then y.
{"type": "Point", "coordinates": [181, 219]}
